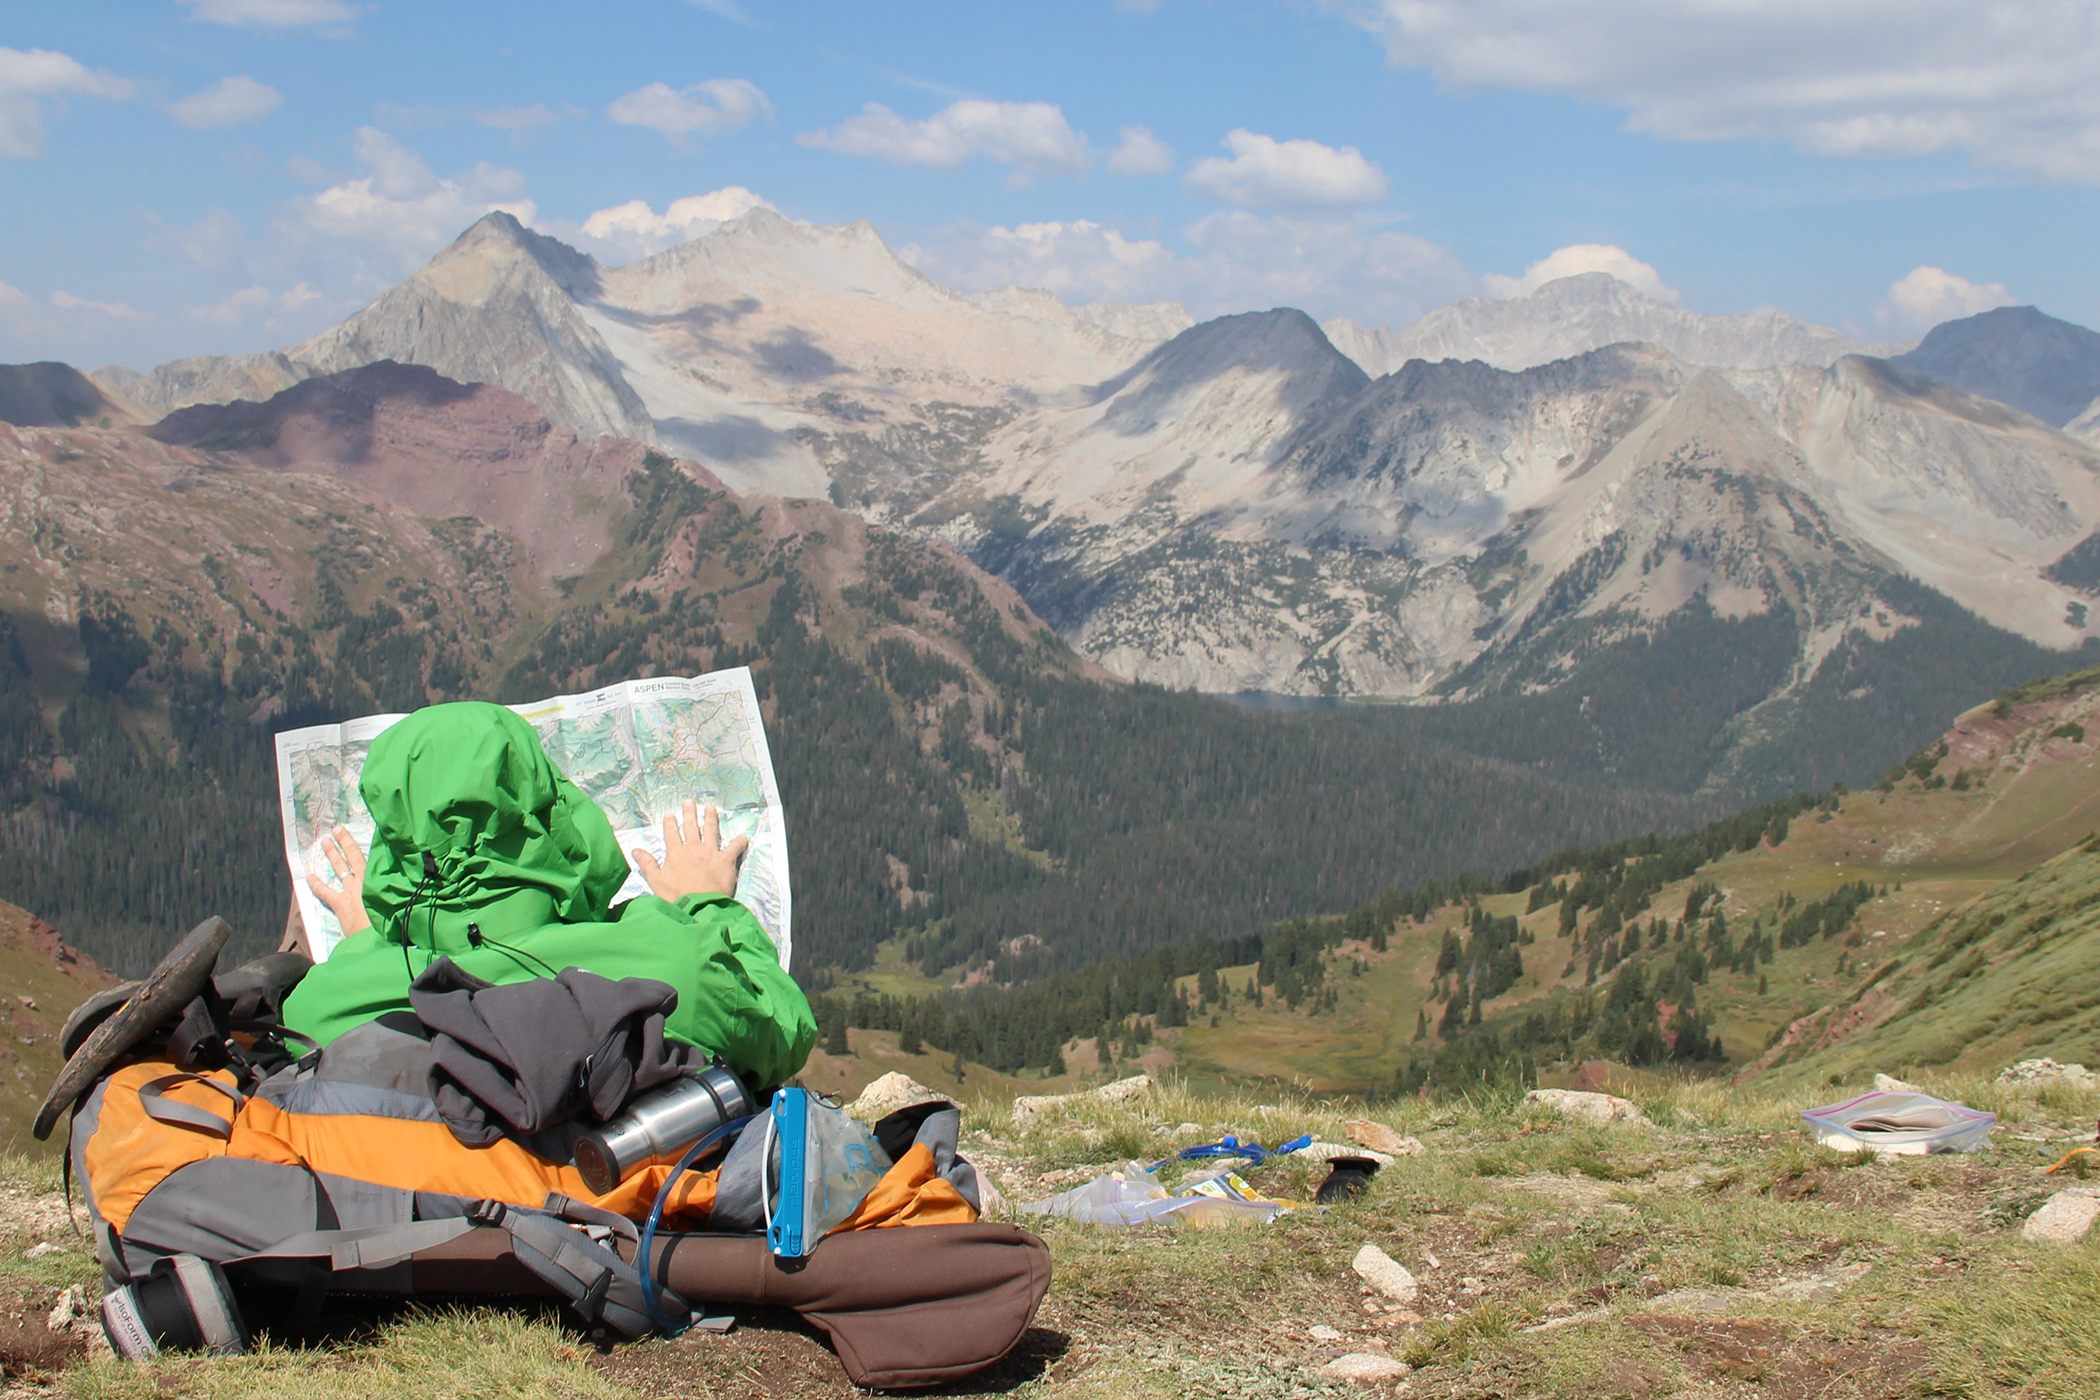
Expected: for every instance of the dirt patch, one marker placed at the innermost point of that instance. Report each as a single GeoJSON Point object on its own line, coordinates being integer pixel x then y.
{"type": "Point", "coordinates": [1788, 1365]}
{"type": "Point", "coordinates": [28, 1349]}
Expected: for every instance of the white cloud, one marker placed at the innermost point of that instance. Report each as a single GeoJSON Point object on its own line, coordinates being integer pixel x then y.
{"type": "Point", "coordinates": [400, 212]}
{"type": "Point", "coordinates": [1329, 267]}
{"type": "Point", "coordinates": [272, 14]}
{"type": "Point", "coordinates": [1141, 153]}
{"type": "Point", "coordinates": [228, 102]}
{"type": "Point", "coordinates": [630, 231]}
{"type": "Point", "coordinates": [1926, 296]}
{"type": "Point", "coordinates": [1081, 260]}
{"type": "Point", "coordinates": [1265, 173]}
{"type": "Point", "coordinates": [30, 77]}
{"type": "Point", "coordinates": [711, 108]}
{"type": "Point", "coordinates": [115, 310]}
{"type": "Point", "coordinates": [2017, 82]}
{"type": "Point", "coordinates": [1032, 137]}
{"type": "Point", "coordinates": [723, 9]}
{"type": "Point", "coordinates": [1232, 261]}
{"type": "Point", "coordinates": [1580, 258]}
{"type": "Point", "coordinates": [233, 309]}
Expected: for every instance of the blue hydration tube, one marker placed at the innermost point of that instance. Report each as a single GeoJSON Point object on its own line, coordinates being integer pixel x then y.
{"type": "Point", "coordinates": [650, 1292]}
{"type": "Point", "coordinates": [1231, 1146]}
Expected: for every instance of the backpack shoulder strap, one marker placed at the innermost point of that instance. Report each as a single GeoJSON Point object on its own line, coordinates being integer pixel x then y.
{"type": "Point", "coordinates": [599, 1285]}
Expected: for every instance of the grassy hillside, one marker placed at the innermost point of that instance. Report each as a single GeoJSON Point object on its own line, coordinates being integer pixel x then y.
{"type": "Point", "coordinates": [1940, 917]}
{"type": "Point", "coordinates": [40, 981]}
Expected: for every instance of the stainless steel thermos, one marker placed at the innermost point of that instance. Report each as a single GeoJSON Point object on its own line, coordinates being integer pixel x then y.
{"type": "Point", "coordinates": [659, 1125]}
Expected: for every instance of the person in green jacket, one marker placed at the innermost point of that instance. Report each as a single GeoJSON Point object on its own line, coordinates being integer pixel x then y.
{"type": "Point", "coordinates": [485, 853]}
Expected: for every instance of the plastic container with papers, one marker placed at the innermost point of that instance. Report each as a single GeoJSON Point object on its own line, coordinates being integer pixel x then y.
{"type": "Point", "coordinates": [1900, 1124]}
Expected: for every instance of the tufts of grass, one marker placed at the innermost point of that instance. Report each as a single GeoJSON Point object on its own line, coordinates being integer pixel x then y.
{"type": "Point", "coordinates": [448, 1355]}
{"type": "Point", "coordinates": [2024, 1327]}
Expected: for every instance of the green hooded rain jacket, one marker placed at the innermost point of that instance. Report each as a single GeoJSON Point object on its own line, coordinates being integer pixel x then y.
{"type": "Point", "coordinates": [523, 854]}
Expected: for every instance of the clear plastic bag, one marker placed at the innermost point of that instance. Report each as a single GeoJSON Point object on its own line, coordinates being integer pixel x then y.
{"type": "Point", "coordinates": [828, 1164]}
{"type": "Point", "coordinates": [1900, 1124]}
{"type": "Point", "coordinates": [1134, 1196]}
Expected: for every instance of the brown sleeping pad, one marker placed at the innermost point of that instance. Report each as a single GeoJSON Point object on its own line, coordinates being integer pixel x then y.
{"type": "Point", "coordinates": [903, 1307]}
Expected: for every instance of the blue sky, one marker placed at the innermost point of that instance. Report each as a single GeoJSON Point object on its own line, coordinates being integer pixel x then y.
{"type": "Point", "coordinates": [204, 176]}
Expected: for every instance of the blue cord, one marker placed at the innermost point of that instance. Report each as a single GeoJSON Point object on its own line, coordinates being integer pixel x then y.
{"type": "Point", "coordinates": [650, 1291]}
{"type": "Point", "coordinates": [1231, 1146]}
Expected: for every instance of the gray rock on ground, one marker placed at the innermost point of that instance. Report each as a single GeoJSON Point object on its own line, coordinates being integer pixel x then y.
{"type": "Point", "coordinates": [1379, 1138]}
{"type": "Point", "coordinates": [2040, 1072]}
{"type": "Point", "coordinates": [1385, 1274]}
{"type": "Point", "coordinates": [888, 1094]}
{"type": "Point", "coordinates": [1890, 1084]}
{"type": "Point", "coordinates": [2065, 1217]}
{"type": "Point", "coordinates": [1820, 1289]}
{"type": "Point", "coordinates": [1366, 1366]}
{"type": "Point", "coordinates": [1599, 1110]}
{"type": "Point", "coordinates": [1029, 1105]}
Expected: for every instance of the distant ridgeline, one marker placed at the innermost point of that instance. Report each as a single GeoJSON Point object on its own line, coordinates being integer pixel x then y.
{"type": "Point", "coordinates": [956, 784]}
{"type": "Point", "coordinates": [1122, 1001]}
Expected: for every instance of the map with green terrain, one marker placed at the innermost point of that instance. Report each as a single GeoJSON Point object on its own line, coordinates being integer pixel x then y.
{"type": "Point", "coordinates": [639, 750]}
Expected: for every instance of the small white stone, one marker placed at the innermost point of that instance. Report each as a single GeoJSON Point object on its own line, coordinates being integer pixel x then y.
{"type": "Point", "coordinates": [40, 1250]}
{"type": "Point", "coordinates": [888, 1094]}
{"type": "Point", "coordinates": [1889, 1084]}
{"type": "Point", "coordinates": [1364, 1366]}
{"type": "Point", "coordinates": [1323, 1333]}
{"type": "Point", "coordinates": [2065, 1217]}
{"type": "Point", "coordinates": [1603, 1110]}
{"type": "Point", "coordinates": [1379, 1269]}
{"type": "Point", "coordinates": [2050, 1072]}
{"type": "Point", "coordinates": [1379, 1138]}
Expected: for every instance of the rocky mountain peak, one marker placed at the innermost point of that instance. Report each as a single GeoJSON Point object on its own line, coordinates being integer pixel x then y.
{"type": "Point", "coordinates": [498, 241]}
{"type": "Point", "coordinates": [53, 395]}
{"type": "Point", "coordinates": [765, 254]}
{"type": "Point", "coordinates": [1572, 315]}
{"type": "Point", "coordinates": [2019, 356]}
{"type": "Point", "coordinates": [1283, 344]}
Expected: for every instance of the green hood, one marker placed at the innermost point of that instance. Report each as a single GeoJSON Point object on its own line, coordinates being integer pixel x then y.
{"type": "Point", "coordinates": [513, 842]}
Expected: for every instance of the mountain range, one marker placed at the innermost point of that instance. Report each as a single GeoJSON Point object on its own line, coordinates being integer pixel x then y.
{"type": "Point", "coordinates": [1242, 506]}
{"type": "Point", "coordinates": [382, 538]}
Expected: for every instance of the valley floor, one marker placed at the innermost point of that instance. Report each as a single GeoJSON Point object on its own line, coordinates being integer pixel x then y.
{"type": "Point", "coordinates": [1714, 1254]}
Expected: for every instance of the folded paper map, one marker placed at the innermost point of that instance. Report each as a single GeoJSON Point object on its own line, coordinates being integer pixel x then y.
{"type": "Point", "coordinates": [639, 750]}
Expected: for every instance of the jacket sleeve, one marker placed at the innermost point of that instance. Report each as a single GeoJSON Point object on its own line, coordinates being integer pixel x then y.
{"type": "Point", "coordinates": [733, 996]}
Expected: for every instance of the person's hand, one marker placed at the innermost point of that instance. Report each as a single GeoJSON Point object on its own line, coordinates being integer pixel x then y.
{"type": "Point", "coordinates": [695, 860]}
{"type": "Point", "coordinates": [346, 902]}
